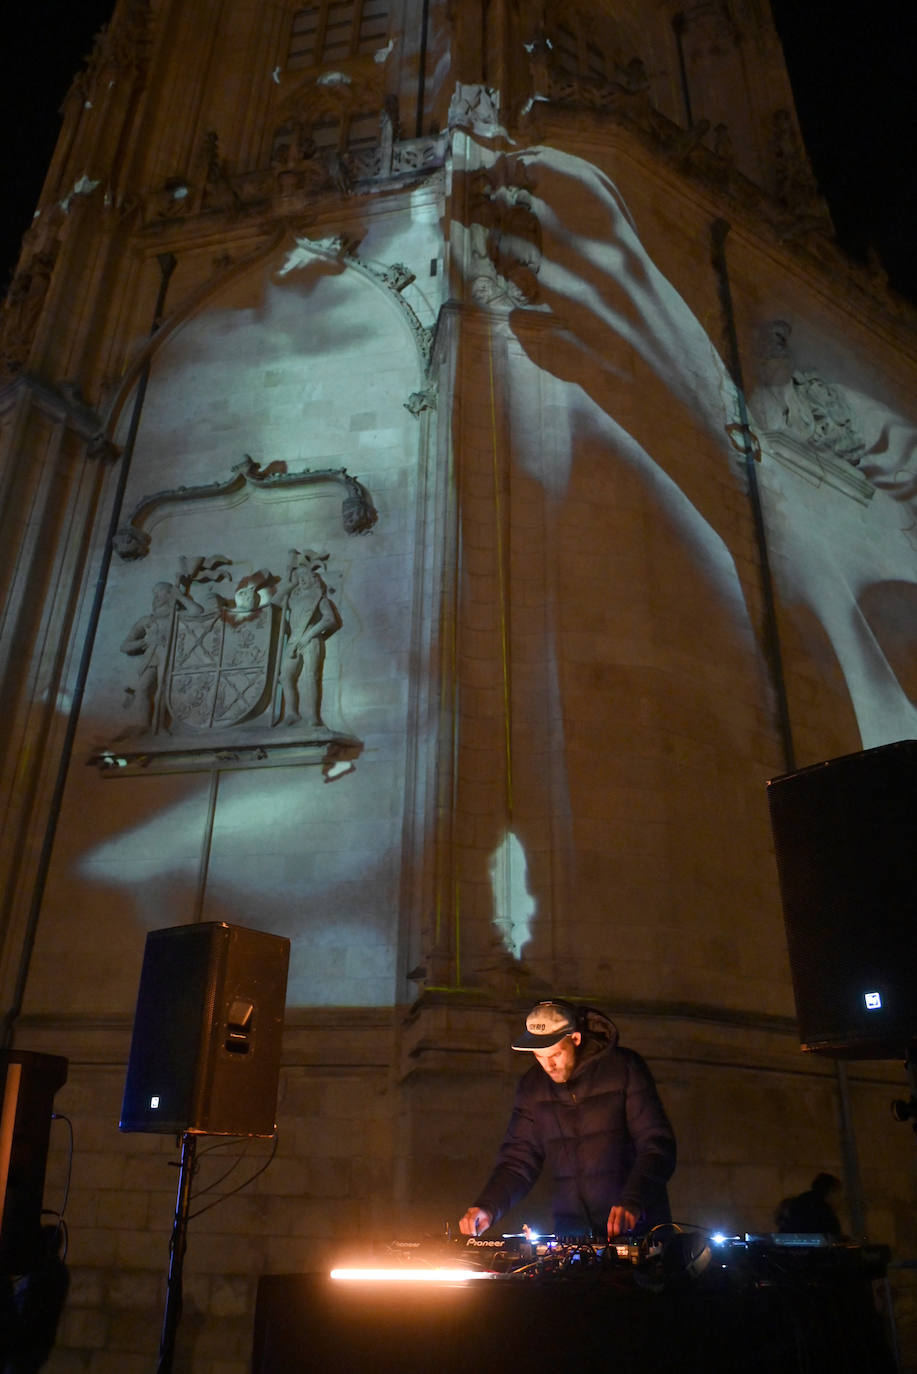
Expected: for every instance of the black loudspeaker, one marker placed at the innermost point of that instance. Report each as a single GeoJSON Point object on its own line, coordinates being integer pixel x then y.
{"type": "Point", "coordinates": [845, 834]}
{"type": "Point", "coordinates": [29, 1082]}
{"type": "Point", "coordinates": [205, 1053]}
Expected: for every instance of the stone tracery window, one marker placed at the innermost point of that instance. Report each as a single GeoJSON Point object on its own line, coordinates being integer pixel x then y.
{"type": "Point", "coordinates": [343, 132]}
{"type": "Point", "coordinates": [336, 30]}
{"type": "Point", "coordinates": [576, 54]}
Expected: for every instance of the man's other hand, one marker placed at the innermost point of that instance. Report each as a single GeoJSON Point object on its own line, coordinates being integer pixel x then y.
{"type": "Point", "coordinates": [475, 1221]}
{"type": "Point", "coordinates": [619, 1221]}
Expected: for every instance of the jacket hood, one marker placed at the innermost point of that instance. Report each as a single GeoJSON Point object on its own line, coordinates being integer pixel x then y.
{"type": "Point", "coordinates": [599, 1034]}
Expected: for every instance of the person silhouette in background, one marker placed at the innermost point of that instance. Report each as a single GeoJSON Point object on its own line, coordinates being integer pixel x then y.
{"type": "Point", "coordinates": [811, 1211]}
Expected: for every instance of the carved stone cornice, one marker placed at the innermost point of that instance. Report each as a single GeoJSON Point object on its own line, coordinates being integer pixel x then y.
{"type": "Point", "coordinates": [61, 403]}
{"type": "Point", "coordinates": [703, 150]}
{"type": "Point", "coordinates": [334, 752]}
{"type": "Point", "coordinates": [299, 169]}
{"type": "Point", "coordinates": [299, 174]}
{"type": "Point", "coordinates": [358, 514]}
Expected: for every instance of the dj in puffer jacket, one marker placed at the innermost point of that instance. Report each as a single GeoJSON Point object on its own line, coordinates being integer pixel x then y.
{"type": "Point", "coordinates": [604, 1136]}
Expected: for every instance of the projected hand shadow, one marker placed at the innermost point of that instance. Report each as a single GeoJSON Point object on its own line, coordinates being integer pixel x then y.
{"type": "Point", "coordinates": [631, 350]}
{"type": "Point", "coordinates": [619, 407]}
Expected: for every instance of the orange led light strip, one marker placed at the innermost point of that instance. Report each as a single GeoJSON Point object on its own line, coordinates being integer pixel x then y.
{"type": "Point", "coordinates": [443, 1275]}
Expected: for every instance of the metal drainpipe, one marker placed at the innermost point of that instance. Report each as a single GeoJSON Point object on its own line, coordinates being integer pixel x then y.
{"type": "Point", "coordinates": [678, 28]}
{"type": "Point", "coordinates": [422, 64]}
{"type": "Point", "coordinates": [166, 266]}
{"type": "Point", "coordinates": [719, 232]}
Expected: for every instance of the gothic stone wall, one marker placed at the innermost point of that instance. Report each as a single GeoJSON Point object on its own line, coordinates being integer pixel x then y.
{"type": "Point", "coordinates": [609, 727]}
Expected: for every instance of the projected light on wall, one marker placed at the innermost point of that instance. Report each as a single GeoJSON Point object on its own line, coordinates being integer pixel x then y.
{"type": "Point", "coordinates": [514, 906]}
{"type": "Point", "coordinates": [841, 530]}
{"type": "Point", "coordinates": [270, 370]}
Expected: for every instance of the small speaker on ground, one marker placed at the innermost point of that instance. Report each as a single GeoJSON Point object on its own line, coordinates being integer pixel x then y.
{"type": "Point", "coordinates": [845, 834]}
{"type": "Point", "coordinates": [205, 1052]}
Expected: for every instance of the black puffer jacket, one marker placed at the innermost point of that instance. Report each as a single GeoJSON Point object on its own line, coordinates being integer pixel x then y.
{"type": "Point", "coordinates": [603, 1134]}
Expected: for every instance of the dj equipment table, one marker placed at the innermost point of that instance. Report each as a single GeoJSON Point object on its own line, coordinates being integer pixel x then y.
{"type": "Point", "coordinates": [310, 1324]}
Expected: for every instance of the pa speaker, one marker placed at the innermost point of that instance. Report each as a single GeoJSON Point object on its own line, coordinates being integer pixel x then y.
{"type": "Point", "coordinates": [205, 1053]}
{"type": "Point", "coordinates": [845, 834]}
{"type": "Point", "coordinates": [28, 1082]}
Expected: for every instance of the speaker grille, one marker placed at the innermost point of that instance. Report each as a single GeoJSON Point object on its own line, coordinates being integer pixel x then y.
{"type": "Point", "coordinates": [205, 1052]}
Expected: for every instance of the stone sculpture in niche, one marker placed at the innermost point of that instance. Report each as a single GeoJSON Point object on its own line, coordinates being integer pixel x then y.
{"type": "Point", "coordinates": [310, 617]}
{"type": "Point", "coordinates": [148, 638]}
{"type": "Point", "coordinates": [827, 417]}
{"type": "Point", "coordinates": [151, 637]}
{"type": "Point", "coordinates": [806, 421]}
{"type": "Point", "coordinates": [210, 661]}
{"type": "Point", "coordinates": [230, 661]}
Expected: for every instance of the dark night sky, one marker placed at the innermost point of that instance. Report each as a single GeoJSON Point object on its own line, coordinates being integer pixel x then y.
{"type": "Point", "coordinates": [854, 82]}
{"type": "Point", "coordinates": [856, 96]}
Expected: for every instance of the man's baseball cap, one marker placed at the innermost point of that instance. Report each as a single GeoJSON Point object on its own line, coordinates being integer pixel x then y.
{"type": "Point", "coordinates": [545, 1025]}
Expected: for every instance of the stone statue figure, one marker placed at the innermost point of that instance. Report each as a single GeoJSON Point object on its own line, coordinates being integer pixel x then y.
{"type": "Point", "coordinates": [211, 660]}
{"type": "Point", "coordinates": [148, 638]}
{"type": "Point", "coordinates": [827, 416]}
{"type": "Point", "coordinates": [310, 617]}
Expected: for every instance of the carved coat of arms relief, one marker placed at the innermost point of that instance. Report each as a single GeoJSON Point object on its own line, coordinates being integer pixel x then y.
{"type": "Point", "coordinates": [228, 663]}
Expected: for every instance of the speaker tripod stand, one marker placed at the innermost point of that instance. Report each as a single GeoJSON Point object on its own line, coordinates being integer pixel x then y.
{"type": "Point", "coordinates": [177, 1246]}
{"type": "Point", "coordinates": [907, 1111]}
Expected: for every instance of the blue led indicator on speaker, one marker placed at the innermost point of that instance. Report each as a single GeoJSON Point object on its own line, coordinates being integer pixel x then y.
{"type": "Point", "coordinates": [873, 1000]}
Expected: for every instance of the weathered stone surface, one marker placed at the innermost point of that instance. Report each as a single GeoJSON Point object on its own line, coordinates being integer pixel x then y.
{"type": "Point", "coordinates": [549, 699]}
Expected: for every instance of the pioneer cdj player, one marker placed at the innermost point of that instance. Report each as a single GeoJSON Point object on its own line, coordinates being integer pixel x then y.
{"type": "Point", "coordinates": [667, 1257]}
{"type": "Point", "coordinates": [678, 1298]}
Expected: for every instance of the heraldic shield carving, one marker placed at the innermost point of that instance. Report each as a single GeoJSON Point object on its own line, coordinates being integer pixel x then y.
{"type": "Point", "coordinates": [231, 674]}
{"type": "Point", "coordinates": [230, 662]}
{"type": "Point", "coordinates": [220, 671]}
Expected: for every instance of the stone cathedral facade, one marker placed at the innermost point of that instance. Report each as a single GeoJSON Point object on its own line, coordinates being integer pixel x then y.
{"type": "Point", "coordinates": [448, 468]}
